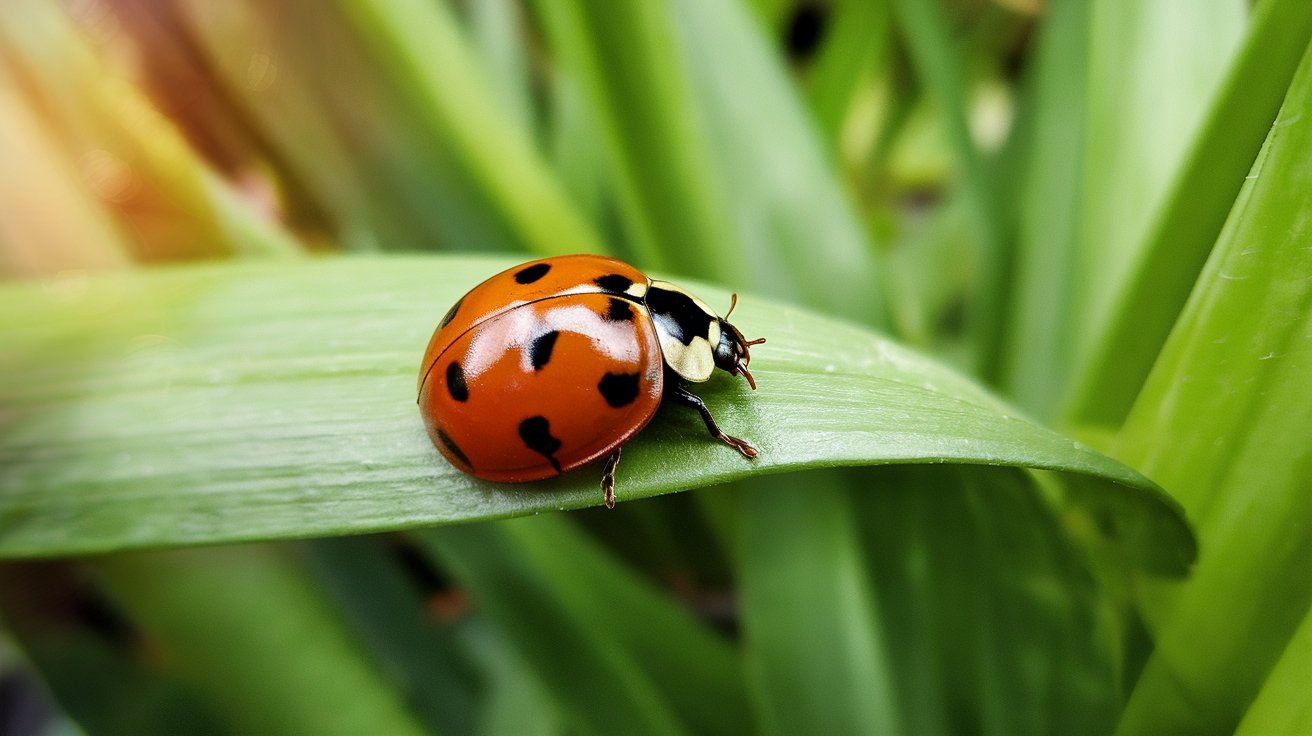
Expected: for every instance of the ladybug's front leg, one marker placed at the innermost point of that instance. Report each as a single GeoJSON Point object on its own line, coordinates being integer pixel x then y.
{"type": "Point", "coordinates": [682, 395]}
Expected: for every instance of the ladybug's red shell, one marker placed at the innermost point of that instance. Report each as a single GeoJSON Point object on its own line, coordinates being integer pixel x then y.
{"type": "Point", "coordinates": [542, 368]}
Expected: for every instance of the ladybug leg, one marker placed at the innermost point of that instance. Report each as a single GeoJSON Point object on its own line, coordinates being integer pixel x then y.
{"type": "Point", "coordinates": [608, 477]}
{"type": "Point", "coordinates": [682, 395]}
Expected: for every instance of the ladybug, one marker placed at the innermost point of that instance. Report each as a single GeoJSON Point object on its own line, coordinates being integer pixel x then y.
{"type": "Point", "coordinates": [556, 363]}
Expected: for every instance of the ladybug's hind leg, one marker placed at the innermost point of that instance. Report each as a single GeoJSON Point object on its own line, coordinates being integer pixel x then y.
{"type": "Point", "coordinates": [682, 395]}
{"type": "Point", "coordinates": [608, 477]}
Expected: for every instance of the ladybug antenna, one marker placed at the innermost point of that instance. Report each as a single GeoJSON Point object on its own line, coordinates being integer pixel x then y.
{"type": "Point", "coordinates": [733, 302]}
{"type": "Point", "coordinates": [741, 369]}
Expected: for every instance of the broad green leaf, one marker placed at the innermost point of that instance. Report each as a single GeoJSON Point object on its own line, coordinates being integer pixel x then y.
{"type": "Point", "coordinates": [1151, 68]}
{"type": "Point", "coordinates": [1184, 229]}
{"type": "Point", "coordinates": [257, 401]}
{"type": "Point", "coordinates": [1224, 419]}
{"type": "Point", "coordinates": [245, 624]}
{"type": "Point", "coordinates": [618, 655]}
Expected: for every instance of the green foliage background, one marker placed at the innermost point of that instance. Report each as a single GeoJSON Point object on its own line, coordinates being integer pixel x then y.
{"type": "Point", "coordinates": [970, 230]}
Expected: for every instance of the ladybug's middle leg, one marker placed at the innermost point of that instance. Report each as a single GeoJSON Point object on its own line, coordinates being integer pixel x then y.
{"type": "Point", "coordinates": [608, 477]}
{"type": "Point", "coordinates": [682, 395]}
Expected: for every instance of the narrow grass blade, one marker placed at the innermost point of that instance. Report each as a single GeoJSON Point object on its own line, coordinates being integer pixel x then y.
{"type": "Point", "coordinates": [1192, 214]}
{"type": "Point", "coordinates": [515, 702]}
{"type": "Point", "coordinates": [497, 32]}
{"type": "Point", "coordinates": [624, 57]}
{"type": "Point", "coordinates": [925, 31]}
{"type": "Point", "coordinates": [430, 60]}
{"type": "Point", "coordinates": [682, 90]}
{"type": "Point", "coordinates": [618, 655]}
{"type": "Point", "coordinates": [245, 623]}
{"type": "Point", "coordinates": [810, 616]}
{"type": "Point", "coordinates": [49, 222]}
{"type": "Point", "coordinates": [1036, 360]}
{"type": "Point", "coordinates": [857, 42]}
{"type": "Point", "coordinates": [417, 654]}
{"type": "Point", "coordinates": [89, 659]}
{"type": "Point", "coordinates": [1283, 706]}
{"type": "Point", "coordinates": [257, 401]}
{"type": "Point", "coordinates": [794, 231]}
{"type": "Point", "coordinates": [132, 159]}
{"type": "Point", "coordinates": [1224, 421]}
{"type": "Point", "coordinates": [1152, 67]}
{"type": "Point", "coordinates": [993, 625]}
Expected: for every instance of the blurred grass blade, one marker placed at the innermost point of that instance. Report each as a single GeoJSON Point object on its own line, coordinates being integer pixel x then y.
{"type": "Point", "coordinates": [515, 702]}
{"type": "Point", "coordinates": [624, 58]}
{"type": "Point", "coordinates": [925, 31]}
{"type": "Point", "coordinates": [857, 42]}
{"type": "Point", "coordinates": [352, 154]}
{"type": "Point", "coordinates": [89, 660]}
{"type": "Point", "coordinates": [810, 617]}
{"type": "Point", "coordinates": [130, 157]}
{"type": "Point", "coordinates": [1152, 65]}
{"type": "Point", "coordinates": [618, 655]}
{"type": "Point", "coordinates": [496, 29]}
{"type": "Point", "coordinates": [683, 90]}
{"type": "Point", "coordinates": [430, 59]}
{"type": "Point", "coordinates": [1186, 225]}
{"type": "Point", "coordinates": [256, 401]}
{"type": "Point", "coordinates": [1224, 422]}
{"type": "Point", "coordinates": [51, 221]}
{"type": "Point", "coordinates": [1035, 364]}
{"type": "Point", "coordinates": [993, 624]}
{"type": "Point", "coordinates": [417, 655]}
{"type": "Point", "coordinates": [245, 623]}
{"type": "Point", "coordinates": [793, 228]}
{"type": "Point", "coordinates": [367, 137]}
{"type": "Point", "coordinates": [1283, 706]}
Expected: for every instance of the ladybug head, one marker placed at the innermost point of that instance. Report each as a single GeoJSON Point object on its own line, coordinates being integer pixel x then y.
{"type": "Point", "coordinates": [731, 354]}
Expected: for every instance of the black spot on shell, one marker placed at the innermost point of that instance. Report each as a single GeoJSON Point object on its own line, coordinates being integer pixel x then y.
{"type": "Point", "coordinates": [619, 389]}
{"type": "Point", "coordinates": [536, 433]}
{"type": "Point", "coordinates": [455, 382]}
{"type": "Point", "coordinates": [619, 311]}
{"type": "Point", "coordinates": [532, 273]}
{"type": "Point", "coordinates": [451, 313]}
{"type": "Point", "coordinates": [540, 351]}
{"type": "Point", "coordinates": [679, 315]}
{"type": "Point", "coordinates": [453, 448]}
{"type": "Point", "coordinates": [613, 282]}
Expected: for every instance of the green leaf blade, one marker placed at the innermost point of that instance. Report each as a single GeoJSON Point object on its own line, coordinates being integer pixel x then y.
{"type": "Point", "coordinates": [1234, 375]}
{"type": "Point", "coordinates": [1192, 215]}
{"type": "Point", "coordinates": [213, 404]}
